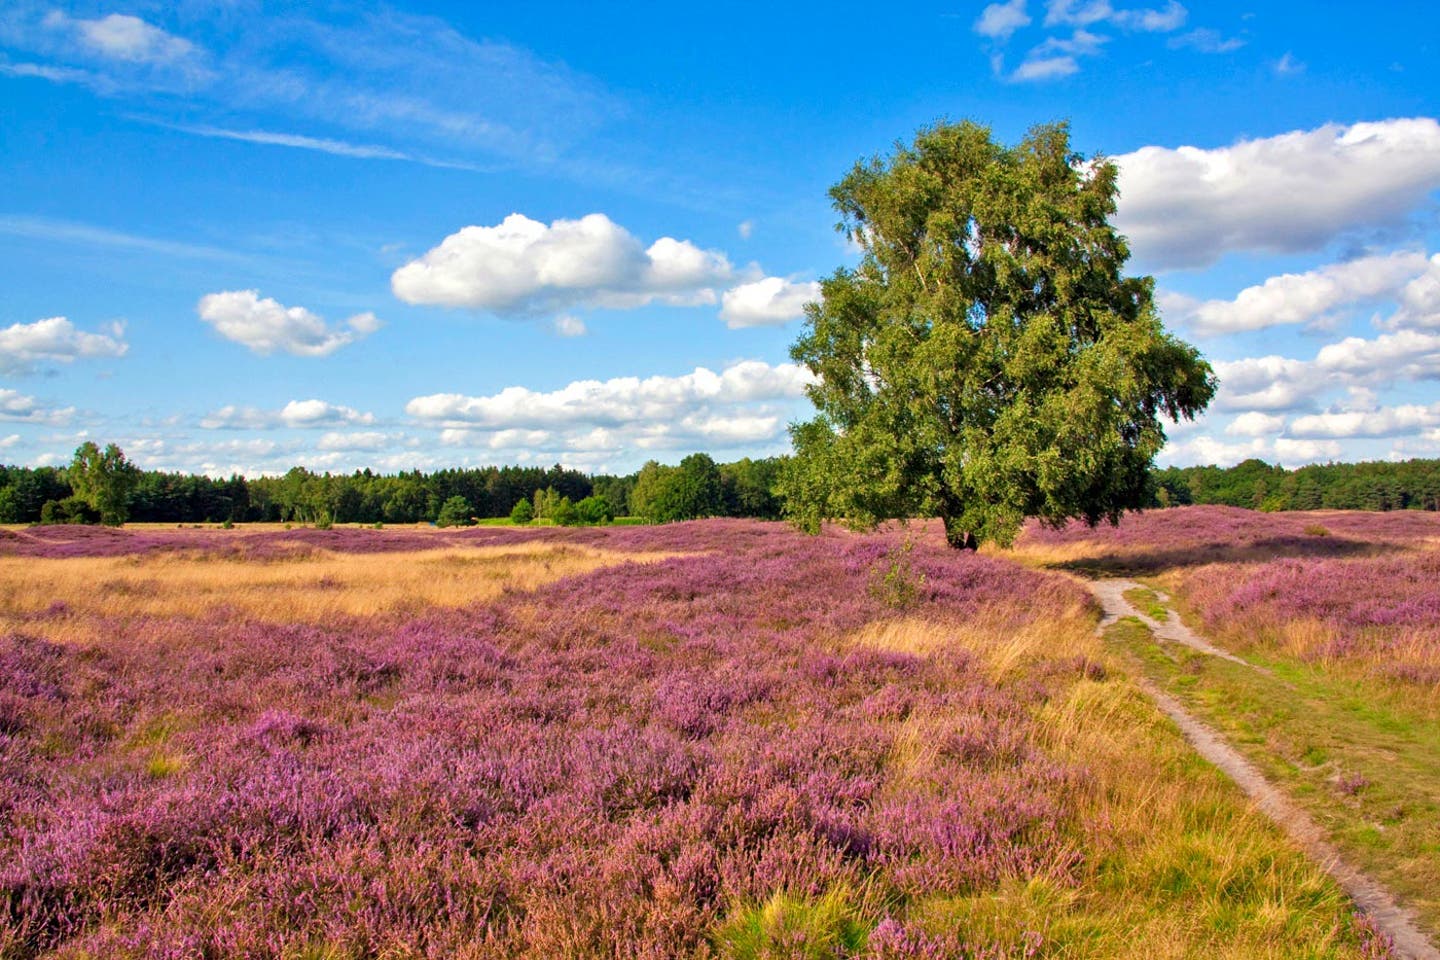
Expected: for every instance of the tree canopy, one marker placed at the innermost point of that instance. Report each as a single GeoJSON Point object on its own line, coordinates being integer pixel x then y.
{"type": "Point", "coordinates": [987, 360]}
{"type": "Point", "coordinates": [103, 479]}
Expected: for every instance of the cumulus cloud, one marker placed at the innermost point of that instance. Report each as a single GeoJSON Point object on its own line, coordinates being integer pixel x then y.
{"type": "Point", "coordinates": [767, 302]}
{"type": "Point", "coordinates": [1403, 355]}
{"type": "Point", "coordinates": [1000, 20]}
{"type": "Point", "coordinates": [17, 407]}
{"type": "Point", "coordinates": [1308, 298]}
{"type": "Point", "coordinates": [523, 267]}
{"type": "Point", "coordinates": [360, 440]}
{"type": "Point", "coordinates": [1255, 424]}
{"type": "Point", "coordinates": [1284, 450]}
{"type": "Point", "coordinates": [56, 340]}
{"type": "Point", "coordinates": [265, 326]}
{"type": "Point", "coordinates": [1419, 300]}
{"type": "Point", "coordinates": [295, 414]}
{"type": "Point", "coordinates": [1265, 383]}
{"type": "Point", "coordinates": [1187, 207]}
{"type": "Point", "coordinates": [1382, 422]}
{"type": "Point", "coordinates": [610, 421]}
{"type": "Point", "coordinates": [618, 401]}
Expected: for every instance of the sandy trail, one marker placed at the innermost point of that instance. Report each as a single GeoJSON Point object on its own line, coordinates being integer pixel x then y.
{"type": "Point", "coordinates": [1372, 898]}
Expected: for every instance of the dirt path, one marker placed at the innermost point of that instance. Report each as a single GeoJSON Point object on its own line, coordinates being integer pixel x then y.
{"type": "Point", "coordinates": [1369, 896]}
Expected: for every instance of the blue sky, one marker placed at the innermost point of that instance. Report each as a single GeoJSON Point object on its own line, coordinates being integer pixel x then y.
{"type": "Point", "coordinates": [243, 236]}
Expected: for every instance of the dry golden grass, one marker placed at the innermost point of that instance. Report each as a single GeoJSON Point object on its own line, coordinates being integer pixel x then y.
{"type": "Point", "coordinates": [992, 636]}
{"type": "Point", "coordinates": [313, 586]}
{"type": "Point", "coordinates": [1176, 862]}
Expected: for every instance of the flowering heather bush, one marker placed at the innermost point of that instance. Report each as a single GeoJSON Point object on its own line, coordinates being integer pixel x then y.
{"type": "Point", "coordinates": [617, 764]}
{"type": "Point", "coordinates": [1342, 586]}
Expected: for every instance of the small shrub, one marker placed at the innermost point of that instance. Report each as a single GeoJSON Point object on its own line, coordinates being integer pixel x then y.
{"type": "Point", "coordinates": [323, 522]}
{"type": "Point", "coordinates": [1315, 530]}
{"type": "Point", "coordinates": [522, 513]}
{"type": "Point", "coordinates": [565, 514]}
{"type": "Point", "coordinates": [454, 512]}
{"type": "Point", "coordinates": [595, 510]}
{"type": "Point", "coordinates": [228, 524]}
{"type": "Point", "coordinates": [895, 582]}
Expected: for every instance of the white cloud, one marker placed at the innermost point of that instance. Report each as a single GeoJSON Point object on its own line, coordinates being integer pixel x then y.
{"type": "Point", "coordinates": [616, 402]}
{"type": "Point", "coordinates": [1308, 298]}
{"type": "Point", "coordinates": [55, 339]}
{"type": "Point", "coordinates": [295, 414]}
{"type": "Point", "coordinates": [1265, 383]}
{"type": "Point", "coordinates": [1083, 14]}
{"type": "Point", "coordinates": [1187, 207]}
{"type": "Point", "coordinates": [1000, 20]}
{"type": "Point", "coordinates": [412, 82]}
{"type": "Point", "coordinates": [1205, 40]}
{"type": "Point", "coordinates": [1290, 452]}
{"type": "Point", "coordinates": [1390, 357]}
{"type": "Point", "coordinates": [615, 422]}
{"type": "Point", "coordinates": [266, 326]}
{"type": "Point", "coordinates": [569, 325]}
{"type": "Point", "coordinates": [1420, 300]}
{"type": "Point", "coordinates": [524, 267]}
{"type": "Point", "coordinates": [363, 440]}
{"type": "Point", "coordinates": [1288, 66]}
{"type": "Point", "coordinates": [1293, 453]}
{"type": "Point", "coordinates": [20, 408]}
{"type": "Point", "coordinates": [745, 228]}
{"type": "Point", "coordinates": [1172, 17]}
{"type": "Point", "coordinates": [1255, 424]}
{"type": "Point", "coordinates": [768, 302]}
{"type": "Point", "coordinates": [120, 36]}
{"type": "Point", "coordinates": [1382, 422]}
{"type": "Point", "coordinates": [1045, 68]}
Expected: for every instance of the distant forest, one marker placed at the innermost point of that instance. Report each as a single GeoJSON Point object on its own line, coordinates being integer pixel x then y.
{"type": "Point", "coordinates": [698, 487]}
{"type": "Point", "coordinates": [1411, 485]}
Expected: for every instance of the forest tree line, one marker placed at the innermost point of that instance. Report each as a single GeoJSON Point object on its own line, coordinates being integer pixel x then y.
{"type": "Point", "coordinates": [696, 487]}
{"type": "Point", "coordinates": [1377, 485]}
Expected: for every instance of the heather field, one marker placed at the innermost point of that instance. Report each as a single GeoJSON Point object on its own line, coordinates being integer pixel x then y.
{"type": "Point", "coordinates": [1336, 616]}
{"type": "Point", "coordinates": [713, 739]}
{"type": "Point", "coordinates": [1356, 591]}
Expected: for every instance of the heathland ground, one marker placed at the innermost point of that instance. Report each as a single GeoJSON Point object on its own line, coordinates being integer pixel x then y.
{"type": "Point", "coordinates": [710, 739]}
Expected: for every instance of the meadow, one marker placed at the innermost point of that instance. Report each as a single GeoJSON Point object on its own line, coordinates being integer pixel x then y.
{"type": "Point", "coordinates": [709, 739]}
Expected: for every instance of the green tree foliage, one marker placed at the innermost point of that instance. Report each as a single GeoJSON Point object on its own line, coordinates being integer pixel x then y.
{"type": "Point", "coordinates": [454, 512]}
{"type": "Point", "coordinates": [523, 512]}
{"type": "Point", "coordinates": [988, 360]}
{"type": "Point", "coordinates": [594, 510]}
{"type": "Point", "coordinates": [692, 490]}
{"type": "Point", "coordinates": [748, 488]}
{"type": "Point", "coordinates": [103, 479]}
{"type": "Point", "coordinates": [564, 513]}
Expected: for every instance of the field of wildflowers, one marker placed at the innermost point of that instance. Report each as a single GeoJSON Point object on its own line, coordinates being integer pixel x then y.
{"type": "Point", "coordinates": [708, 739]}
{"type": "Point", "coordinates": [1349, 589]}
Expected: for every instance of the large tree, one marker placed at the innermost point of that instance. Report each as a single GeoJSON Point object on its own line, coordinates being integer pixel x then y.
{"type": "Point", "coordinates": [104, 479]}
{"type": "Point", "coordinates": [987, 360]}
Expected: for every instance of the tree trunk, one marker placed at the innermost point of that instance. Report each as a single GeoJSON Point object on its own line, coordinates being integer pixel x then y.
{"type": "Point", "coordinates": [957, 538]}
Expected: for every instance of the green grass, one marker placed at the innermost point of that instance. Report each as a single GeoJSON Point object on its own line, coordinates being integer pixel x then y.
{"type": "Point", "coordinates": [1147, 601]}
{"type": "Point", "coordinates": [1361, 759]}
